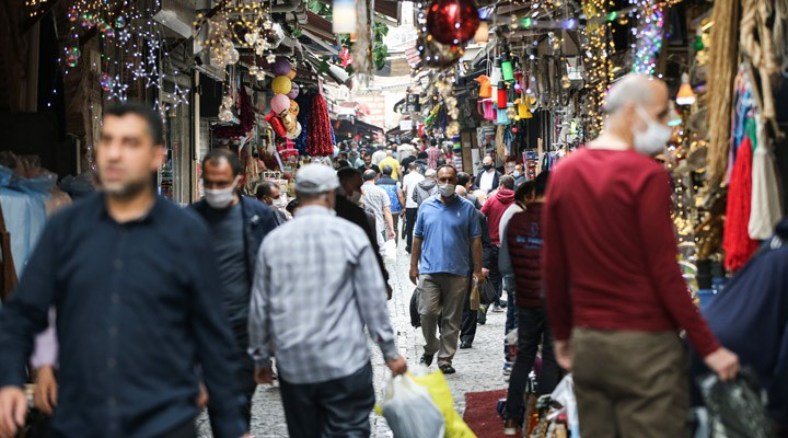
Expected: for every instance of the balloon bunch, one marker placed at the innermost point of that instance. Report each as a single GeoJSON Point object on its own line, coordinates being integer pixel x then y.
{"type": "Point", "coordinates": [284, 109]}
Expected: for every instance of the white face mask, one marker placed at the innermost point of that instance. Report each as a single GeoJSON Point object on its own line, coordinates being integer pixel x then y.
{"type": "Point", "coordinates": [447, 190]}
{"type": "Point", "coordinates": [355, 197]}
{"type": "Point", "coordinates": [280, 203]}
{"type": "Point", "coordinates": [221, 198]}
{"type": "Point", "coordinates": [653, 140]}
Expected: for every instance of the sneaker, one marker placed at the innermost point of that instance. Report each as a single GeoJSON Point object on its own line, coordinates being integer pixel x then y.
{"type": "Point", "coordinates": [497, 309]}
{"type": "Point", "coordinates": [507, 368]}
{"type": "Point", "coordinates": [464, 345]}
{"type": "Point", "coordinates": [510, 427]}
{"type": "Point", "coordinates": [447, 369]}
{"type": "Point", "coordinates": [426, 359]}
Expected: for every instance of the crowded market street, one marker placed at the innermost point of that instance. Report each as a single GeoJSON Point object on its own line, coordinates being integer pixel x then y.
{"type": "Point", "coordinates": [394, 218]}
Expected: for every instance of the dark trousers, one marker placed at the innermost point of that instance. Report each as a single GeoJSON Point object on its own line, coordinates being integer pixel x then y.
{"type": "Point", "coordinates": [469, 317]}
{"type": "Point", "coordinates": [395, 217]}
{"type": "Point", "coordinates": [532, 329]}
{"type": "Point", "coordinates": [495, 277]}
{"type": "Point", "coordinates": [336, 408]}
{"type": "Point", "coordinates": [410, 224]}
{"type": "Point", "coordinates": [244, 369]}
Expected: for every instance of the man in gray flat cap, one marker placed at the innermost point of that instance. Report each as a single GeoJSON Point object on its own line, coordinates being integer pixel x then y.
{"type": "Point", "coordinates": [316, 287]}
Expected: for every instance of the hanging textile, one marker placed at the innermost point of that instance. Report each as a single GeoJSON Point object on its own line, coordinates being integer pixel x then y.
{"type": "Point", "coordinates": [757, 45]}
{"type": "Point", "coordinates": [319, 138]}
{"type": "Point", "coordinates": [766, 209]}
{"type": "Point", "coordinates": [722, 69]}
{"type": "Point", "coordinates": [736, 239]}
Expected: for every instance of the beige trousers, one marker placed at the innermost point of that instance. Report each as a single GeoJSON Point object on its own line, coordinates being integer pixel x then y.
{"type": "Point", "coordinates": [441, 301]}
{"type": "Point", "coordinates": [630, 384]}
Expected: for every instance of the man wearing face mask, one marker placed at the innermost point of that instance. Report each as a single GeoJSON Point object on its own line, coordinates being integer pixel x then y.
{"type": "Point", "coordinates": [615, 294]}
{"type": "Point", "coordinates": [519, 175]}
{"type": "Point", "coordinates": [269, 193]}
{"type": "Point", "coordinates": [488, 178]}
{"type": "Point", "coordinates": [237, 225]}
{"type": "Point", "coordinates": [347, 207]}
{"type": "Point", "coordinates": [447, 245]}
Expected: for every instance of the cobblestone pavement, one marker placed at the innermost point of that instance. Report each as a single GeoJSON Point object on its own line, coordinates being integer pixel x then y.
{"type": "Point", "coordinates": [478, 369]}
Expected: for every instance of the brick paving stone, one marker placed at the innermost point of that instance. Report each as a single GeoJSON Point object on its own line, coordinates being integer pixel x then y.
{"type": "Point", "coordinates": [478, 368]}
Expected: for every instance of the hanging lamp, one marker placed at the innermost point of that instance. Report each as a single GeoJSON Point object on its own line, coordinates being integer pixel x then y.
{"type": "Point", "coordinates": [685, 95]}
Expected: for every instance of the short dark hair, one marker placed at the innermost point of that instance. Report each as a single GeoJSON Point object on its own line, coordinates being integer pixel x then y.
{"type": "Point", "coordinates": [463, 179]}
{"type": "Point", "coordinates": [215, 156]}
{"type": "Point", "coordinates": [447, 166]}
{"type": "Point", "coordinates": [292, 205]}
{"type": "Point", "coordinates": [153, 119]}
{"type": "Point", "coordinates": [347, 173]}
{"type": "Point", "coordinates": [264, 189]}
{"type": "Point", "coordinates": [540, 183]}
{"type": "Point", "coordinates": [524, 190]}
{"type": "Point", "coordinates": [433, 142]}
{"type": "Point", "coordinates": [507, 181]}
{"type": "Point", "coordinates": [369, 175]}
{"type": "Point", "coordinates": [422, 155]}
{"type": "Point", "coordinates": [387, 170]}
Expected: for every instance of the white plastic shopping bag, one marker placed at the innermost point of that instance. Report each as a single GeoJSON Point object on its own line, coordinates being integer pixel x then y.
{"type": "Point", "coordinates": [409, 410]}
{"type": "Point", "coordinates": [390, 250]}
{"type": "Point", "coordinates": [564, 394]}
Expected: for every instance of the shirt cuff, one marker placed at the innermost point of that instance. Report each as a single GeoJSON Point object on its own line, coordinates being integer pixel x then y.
{"type": "Point", "coordinates": [389, 350]}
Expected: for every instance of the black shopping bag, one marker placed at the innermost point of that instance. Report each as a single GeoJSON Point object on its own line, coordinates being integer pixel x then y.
{"type": "Point", "coordinates": [487, 293]}
{"type": "Point", "coordinates": [736, 408]}
{"type": "Point", "coordinates": [415, 318]}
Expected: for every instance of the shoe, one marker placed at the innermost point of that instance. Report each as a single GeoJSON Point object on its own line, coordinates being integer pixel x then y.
{"type": "Point", "coordinates": [507, 368]}
{"type": "Point", "coordinates": [510, 427]}
{"type": "Point", "coordinates": [502, 304]}
{"type": "Point", "coordinates": [447, 369]}
{"type": "Point", "coordinates": [426, 359]}
{"type": "Point", "coordinates": [497, 309]}
{"type": "Point", "coordinates": [465, 345]}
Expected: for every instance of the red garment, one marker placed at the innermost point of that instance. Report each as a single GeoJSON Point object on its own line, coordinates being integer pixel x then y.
{"type": "Point", "coordinates": [736, 238]}
{"type": "Point", "coordinates": [609, 259]}
{"type": "Point", "coordinates": [524, 241]}
{"type": "Point", "coordinates": [494, 209]}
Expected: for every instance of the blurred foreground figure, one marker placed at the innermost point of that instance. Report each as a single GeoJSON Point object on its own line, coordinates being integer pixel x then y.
{"type": "Point", "coordinates": [314, 318]}
{"type": "Point", "coordinates": [237, 225]}
{"type": "Point", "coordinates": [133, 280]}
{"type": "Point", "coordinates": [750, 316]}
{"type": "Point", "coordinates": [615, 294]}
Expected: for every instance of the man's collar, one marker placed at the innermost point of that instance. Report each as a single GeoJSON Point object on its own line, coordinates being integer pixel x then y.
{"type": "Point", "coordinates": [314, 210]}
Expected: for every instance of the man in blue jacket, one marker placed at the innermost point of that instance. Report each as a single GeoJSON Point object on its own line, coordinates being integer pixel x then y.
{"type": "Point", "coordinates": [237, 225]}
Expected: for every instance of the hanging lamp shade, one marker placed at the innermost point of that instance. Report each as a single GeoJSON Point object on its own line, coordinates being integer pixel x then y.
{"type": "Point", "coordinates": [344, 16]}
{"type": "Point", "coordinates": [482, 33]}
{"type": "Point", "coordinates": [503, 95]}
{"type": "Point", "coordinates": [507, 70]}
{"type": "Point", "coordinates": [496, 75]}
{"type": "Point", "coordinates": [685, 95]}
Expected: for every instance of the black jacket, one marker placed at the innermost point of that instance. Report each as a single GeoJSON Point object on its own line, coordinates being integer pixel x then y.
{"type": "Point", "coordinates": [259, 220]}
{"type": "Point", "coordinates": [355, 214]}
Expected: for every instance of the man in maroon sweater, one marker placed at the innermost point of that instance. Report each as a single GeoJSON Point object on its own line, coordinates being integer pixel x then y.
{"type": "Point", "coordinates": [520, 259]}
{"type": "Point", "coordinates": [615, 294]}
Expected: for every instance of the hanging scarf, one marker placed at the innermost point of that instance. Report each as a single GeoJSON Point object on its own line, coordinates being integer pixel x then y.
{"type": "Point", "coordinates": [736, 239]}
{"type": "Point", "coordinates": [319, 137]}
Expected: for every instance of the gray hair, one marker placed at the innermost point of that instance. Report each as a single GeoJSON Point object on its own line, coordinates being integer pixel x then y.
{"type": "Point", "coordinates": [632, 88]}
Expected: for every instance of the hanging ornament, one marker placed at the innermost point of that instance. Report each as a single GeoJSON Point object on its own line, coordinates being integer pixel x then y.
{"type": "Point", "coordinates": [565, 82]}
{"type": "Point", "coordinates": [280, 103]}
{"type": "Point", "coordinates": [295, 89]}
{"type": "Point", "coordinates": [452, 22]}
{"type": "Point", "coordinates": [282, 66]}
{"type": "Point", "coordinates": [106, 82]}
{"type": "Point", "coordinates": [120, 22]}
{"type": "Point", "coordinates": [72, 56]}
{"type": "Point", "coordinates": [281, 85]}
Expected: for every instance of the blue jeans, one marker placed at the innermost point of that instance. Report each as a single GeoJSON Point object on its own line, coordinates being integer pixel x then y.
{"type": "Point", "coordinates": [511, 321]}
{"type": "Point", "coordinates": [533, 329]}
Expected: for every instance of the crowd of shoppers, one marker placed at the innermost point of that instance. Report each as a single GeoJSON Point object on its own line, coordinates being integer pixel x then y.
{"type": "Point", "coordinates": [185, 308]}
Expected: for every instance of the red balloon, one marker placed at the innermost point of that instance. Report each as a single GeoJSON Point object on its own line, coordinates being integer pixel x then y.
{"type": "Point", "coordinates": [452, 21]}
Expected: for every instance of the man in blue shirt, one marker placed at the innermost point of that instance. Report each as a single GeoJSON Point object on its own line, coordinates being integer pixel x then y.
{"type": "Point", "coordinates": [133, 280]}
{"type": "Point", "coordinates": [446, 244]}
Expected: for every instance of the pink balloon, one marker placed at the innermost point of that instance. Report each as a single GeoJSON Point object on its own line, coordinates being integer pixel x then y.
{"type": "Point", "coordinates": [294, 91]}
{"type": "Point", "coordinates": [279, 103]}
{"type": "Point", "coordinates": [282, 66]}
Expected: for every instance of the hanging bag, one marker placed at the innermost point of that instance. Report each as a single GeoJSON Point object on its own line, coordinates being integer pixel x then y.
{"type": "Point", "coordinates": [410, 411]}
